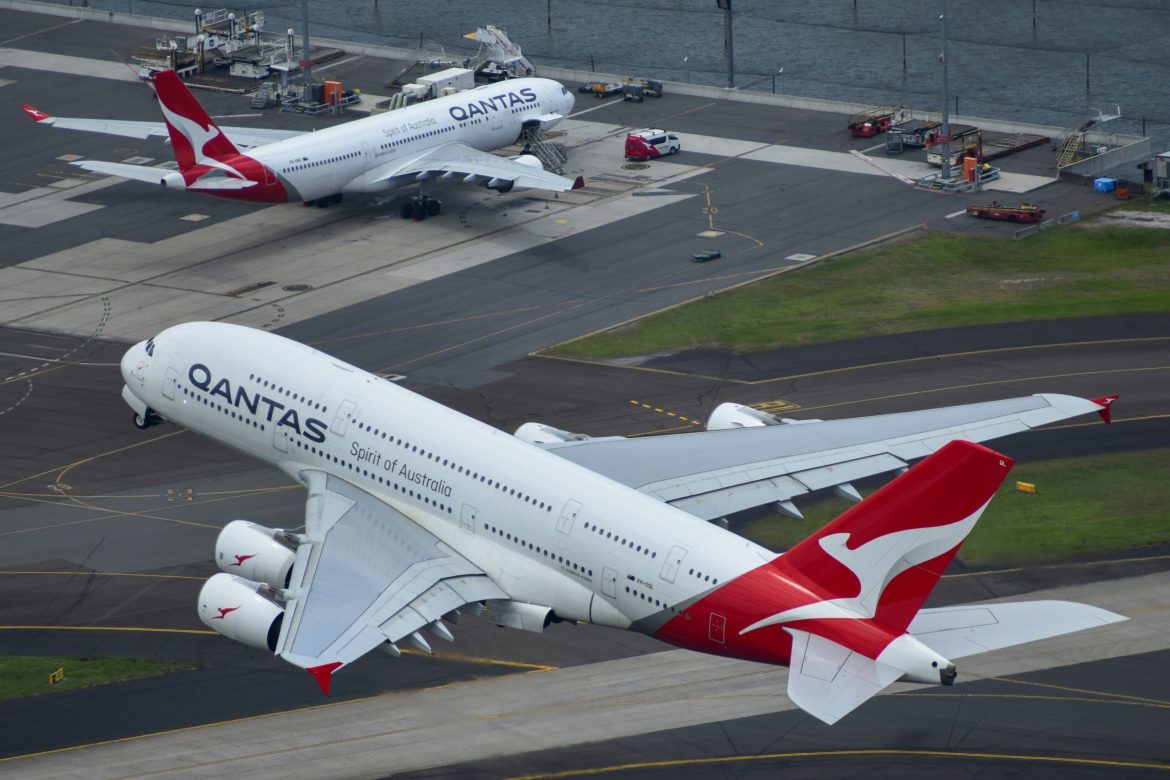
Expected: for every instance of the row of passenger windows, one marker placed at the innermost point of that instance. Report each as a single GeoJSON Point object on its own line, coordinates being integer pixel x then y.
{"type": "Point", "coordinates": [704, 577]}
{"type": "Point", "coordinates": [316, 163]}
{"type": "Point", "coordinates": [645, 550]}
{"type": "Point", "coordinates": [651, 600]}
{"type": "Point", "coordinates": [201, 398]}
{"type": "Point", "coordinates": [417, 495]}
{"type": "Point", "coordinates": [281, 390]}
{"type": "Point", "coordinates": [475, 475]}
{"type": "Point", "coordinates": [540, 550]}
{"type": "Point", "coordinates": [413, 138]}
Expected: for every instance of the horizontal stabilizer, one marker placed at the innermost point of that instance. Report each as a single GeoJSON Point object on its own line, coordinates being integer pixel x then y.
{"type": "Point", "coordinates": [220, 184]}
{"type": "Point", "coordinates": [960, 631]}
{"type": "Point", "coordinates": [828, 680]}
{"type": "Point", "coordinates": [125, 170]}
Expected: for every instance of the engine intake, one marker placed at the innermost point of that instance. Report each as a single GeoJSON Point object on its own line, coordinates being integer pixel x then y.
{"type": "Point", "coordinates": [237, 609]}
{"type": "Point", "coordinates": [254, 553]}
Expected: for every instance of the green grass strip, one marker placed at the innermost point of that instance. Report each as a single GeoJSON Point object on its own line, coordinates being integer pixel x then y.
{"type": "Point", "coordinates": [29, 675]}
{"type": "Point", "coordinates": [927, 282]}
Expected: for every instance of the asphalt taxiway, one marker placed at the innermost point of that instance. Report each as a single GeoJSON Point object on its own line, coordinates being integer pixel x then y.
{"type": "Point", "coordinates": [107, 531]}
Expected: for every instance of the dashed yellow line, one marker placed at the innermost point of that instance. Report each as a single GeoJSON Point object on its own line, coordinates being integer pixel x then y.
{"type": "Point", "coordinates": [101, 574]}
{"type": "Point", "coordinates": [660, 410]}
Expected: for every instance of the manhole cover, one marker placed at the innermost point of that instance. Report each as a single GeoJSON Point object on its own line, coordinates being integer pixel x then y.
{"type": "Point", "coordinates": [297, 287]}
{"type": "Point", "coordinates": [635, 166]}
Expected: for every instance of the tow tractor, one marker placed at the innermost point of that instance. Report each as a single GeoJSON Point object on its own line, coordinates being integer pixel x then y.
{"type": "Point", "coordinates": [872, 121]}
{"type": "Point", "coordinates": [1025, 212]}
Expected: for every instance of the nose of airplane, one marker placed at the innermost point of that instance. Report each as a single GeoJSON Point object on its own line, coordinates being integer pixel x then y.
{"type": "Point", "coordinates": [134, 364]}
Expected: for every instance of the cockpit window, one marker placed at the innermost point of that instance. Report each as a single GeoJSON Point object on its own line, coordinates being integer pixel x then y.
{"type": "Point", "coordinates": [150, 346]}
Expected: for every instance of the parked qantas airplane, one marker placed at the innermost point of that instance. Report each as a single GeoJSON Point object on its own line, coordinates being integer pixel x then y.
{"type": "Point", "coordinates": [416, 513]}
{"type": "Point", "coordinates": [447, 138]}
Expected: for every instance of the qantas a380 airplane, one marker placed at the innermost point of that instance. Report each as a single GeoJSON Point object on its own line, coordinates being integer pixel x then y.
{"type": "Point", "coordinates": [446, 138]}
{"type": "Point", "coordinates": [416, 513]}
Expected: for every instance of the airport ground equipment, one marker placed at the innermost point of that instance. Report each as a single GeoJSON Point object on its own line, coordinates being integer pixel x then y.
{"type": "Point", "coordinates": [1025, 212]}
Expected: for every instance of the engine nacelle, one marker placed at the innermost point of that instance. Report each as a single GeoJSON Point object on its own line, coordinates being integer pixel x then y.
{"type": "Point", "coordinates": [252, 551]}
{"type": "Point", "coordinates": [530, 160]}
{"type": "Point", "coordinates": [518, 614]}
{"type": "Point", "coordinates": [539, 433]}
{"type": "Point", "coordinates": [236, 608]}
{"type": "Point", "coordinates": [173, 181]}
{"type": "Point", "coordinates": [729, 415]}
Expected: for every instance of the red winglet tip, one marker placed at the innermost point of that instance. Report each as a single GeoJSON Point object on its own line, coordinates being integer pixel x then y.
{"type": "Point", "coordinates": [1106, 404]}
{"type": "Point", "coordinates": [579, 182]}
{"type": "Point", "coordinates": [323, 674]}
{"type": "Point", "coordinates": [35, 113]}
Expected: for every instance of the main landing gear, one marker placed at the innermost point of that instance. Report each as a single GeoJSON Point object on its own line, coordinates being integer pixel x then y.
{"type": "Point", "coordinates": [419, 207]}
{"type": "Point", "coordinates": [142, 422]}
{"type": "Point", "coordinates": [328, 200]}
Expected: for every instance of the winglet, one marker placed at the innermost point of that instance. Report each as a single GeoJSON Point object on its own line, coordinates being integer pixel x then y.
{"type": "Point", "coordinates": [579, 183]}
{"type": "Point", "coordinates": [1106, 404]}
{"type": "Point", "coordinates": [35, 113]}
{"type": "Point", "coordinates": [323, 674]}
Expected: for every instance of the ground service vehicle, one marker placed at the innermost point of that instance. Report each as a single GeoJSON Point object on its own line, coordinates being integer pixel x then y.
{"type": "Point", "coordinates": [650, 143]}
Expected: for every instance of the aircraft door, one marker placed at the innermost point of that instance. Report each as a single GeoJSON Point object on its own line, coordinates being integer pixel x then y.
{"type": "Point", "coordinates": [467, 518]}
{"type": "Point", "coordinates": [608, 582]}
{"type": "Point", "coordinates": [341, 420]}
{"type": "Point", "coordinates": [568, 516]}
{"type": "Point", "coordinates": [280, 438]}
{"type": "Point", "coordinates": [674, 559]}
{"type": "Point", "coordinates": [717, 628]}
{"type": "Point", "coordinates": [169, 382]}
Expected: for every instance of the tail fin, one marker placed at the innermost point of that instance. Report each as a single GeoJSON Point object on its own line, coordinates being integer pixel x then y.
{"type": "Point", "coordinates": [195, 137]}
{"type": "Point", "coordinates": [883, 557]}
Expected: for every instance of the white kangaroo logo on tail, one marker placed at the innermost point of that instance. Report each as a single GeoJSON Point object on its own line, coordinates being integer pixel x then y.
{"type": "Point", "coordinates": [199, 137]}
{"type": "Point", "coordinates": [875, 564]}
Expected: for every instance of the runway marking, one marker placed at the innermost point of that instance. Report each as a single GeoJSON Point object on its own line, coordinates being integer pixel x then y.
{"type": "Point", "coordinates": [38, 32]}
{"type": "Point", "coordinates": [660, 410]}
{"type": "Point", "coordinates": [92, 457]}
{"type": "Point", "coordinates": [1067, 565]}
{"type": "Point", "coordinates": [1125, 698]}
{"type": "Point", "coordinates": [127, 629]}
{"type": "Point", "coordinates": [956, 213]}
{"type": "Point", "coordinates": [871, 753]}
{"type": "Point", "coordinates": [605, 104]}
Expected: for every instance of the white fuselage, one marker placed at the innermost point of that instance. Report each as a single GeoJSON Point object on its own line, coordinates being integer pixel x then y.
{"type": "Point", "coordinates": [546, 530]}
{"type": "Point", "coordinates": [352, 157]}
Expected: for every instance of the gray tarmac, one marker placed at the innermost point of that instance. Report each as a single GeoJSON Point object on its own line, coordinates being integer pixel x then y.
{"type": "Point", "coordinates": [107, 532]}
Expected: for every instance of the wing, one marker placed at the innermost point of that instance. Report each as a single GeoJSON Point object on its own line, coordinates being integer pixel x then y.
{"type": "Point", "coordinates": [366, 575]}
{"type": "Point", "coordinates": [242, 137]}
{"type": "Point", "coordinates": [458, 160]}
{"type": "Point", "coordinates": [717, 472]}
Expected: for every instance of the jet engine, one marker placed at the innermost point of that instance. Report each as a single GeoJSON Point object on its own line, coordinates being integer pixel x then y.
{"type": "Point", "coordinates": [508, 185]}
{"type": "Point", "coordinates": [173, 181]}
{"type": "Point", "coordinates": [728, 415]}
{"type": "Point", "coordinates": [238, 609]}
{"type": "Point", "coordinates": [518, 614]}
{"type": "Point", "coordinates": [255, 553]}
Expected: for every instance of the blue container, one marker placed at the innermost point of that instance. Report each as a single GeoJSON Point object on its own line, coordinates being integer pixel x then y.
{"type": "Point", "coordinates": [1104, 184]}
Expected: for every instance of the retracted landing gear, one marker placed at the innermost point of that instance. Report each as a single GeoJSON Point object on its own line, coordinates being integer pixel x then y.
{"type": "Point", "coordinates": [142, 422]}
{"type": "Point", "coordinates": [419, 207]}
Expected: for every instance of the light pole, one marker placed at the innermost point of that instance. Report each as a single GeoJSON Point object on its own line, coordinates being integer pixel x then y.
{"type": "Point", "coordinates": [686, 60]}
{"type": "Point", "coordinates": [774, 75]}
{"type": "Point", "coordinates": [728, 48]}
{"type": "Point", "coordinates": [945, 171]}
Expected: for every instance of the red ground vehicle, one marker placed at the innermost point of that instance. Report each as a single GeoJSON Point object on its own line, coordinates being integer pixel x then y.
{"type": "Point", "coordinates": [1025, 212]}
{"type": "Point", "coordinates": [869, 123]}
{"type": "Point", "coordinates": [650, 143]}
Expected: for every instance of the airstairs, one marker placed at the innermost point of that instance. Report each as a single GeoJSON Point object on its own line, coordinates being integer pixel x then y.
{"type": "Point", "coordinates": [551, 155]}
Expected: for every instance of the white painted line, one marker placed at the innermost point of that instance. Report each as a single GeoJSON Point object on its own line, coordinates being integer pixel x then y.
{"type": "Point", "coordinates": [603, 105]}
{"type": "Point", "coordinates": [873, 148]}
{"type": "Point", "coordinates": [957, 213]}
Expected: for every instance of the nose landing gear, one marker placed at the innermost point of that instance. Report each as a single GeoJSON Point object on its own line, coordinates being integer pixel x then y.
{"type": "Point", "coordinates": [142, 422]}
